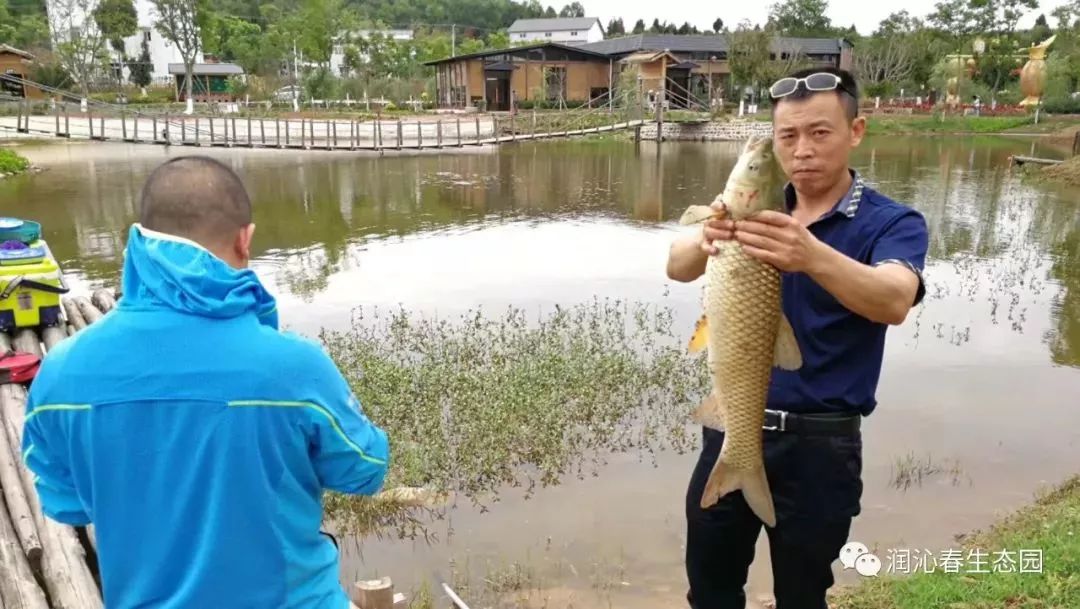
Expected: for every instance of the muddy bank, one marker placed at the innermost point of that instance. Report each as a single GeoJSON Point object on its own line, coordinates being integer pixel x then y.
{"type": "Point", "coordinates": [1067, 172]}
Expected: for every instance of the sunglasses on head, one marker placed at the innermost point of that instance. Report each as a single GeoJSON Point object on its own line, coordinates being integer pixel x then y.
{"type": "Point", "coordinates": [818, 81]}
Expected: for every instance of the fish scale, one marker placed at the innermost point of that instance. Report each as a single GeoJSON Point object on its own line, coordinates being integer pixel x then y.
{"type": "Point", "coordinates": [746, 333]}
{"type": "Point", "coordinates": [743, 293]}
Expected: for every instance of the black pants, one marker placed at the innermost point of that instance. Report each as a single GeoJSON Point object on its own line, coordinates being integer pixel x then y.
{"type": "Point", "coordinates": [816, 486]}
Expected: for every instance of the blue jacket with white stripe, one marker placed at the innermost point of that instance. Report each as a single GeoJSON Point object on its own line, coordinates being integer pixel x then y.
{"type": "Point", "coordinates": [198, 439]}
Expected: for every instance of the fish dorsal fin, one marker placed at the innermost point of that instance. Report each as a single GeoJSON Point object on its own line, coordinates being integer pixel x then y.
{"type": "Point", "coordinates": [701, 335]}
{"type": "Point", "coordinates": [787, 355]}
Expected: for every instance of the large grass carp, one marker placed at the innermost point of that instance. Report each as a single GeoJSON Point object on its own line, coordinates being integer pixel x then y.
{"type": "Point", "coordinates": [746, 334]}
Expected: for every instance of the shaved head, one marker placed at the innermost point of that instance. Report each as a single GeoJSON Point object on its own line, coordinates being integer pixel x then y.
{"type": "Point", "coordinates": [198, 198]}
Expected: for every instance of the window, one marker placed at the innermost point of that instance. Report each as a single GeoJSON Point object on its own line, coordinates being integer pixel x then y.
{"type": "Point", "coordinates": [522, 35]}
{"type": "Point", "coordinates": [573, 33]}
{"type": "Point", "coordinates": [548, 34]}
{"type": "Point", "coordinates": [146, 34]}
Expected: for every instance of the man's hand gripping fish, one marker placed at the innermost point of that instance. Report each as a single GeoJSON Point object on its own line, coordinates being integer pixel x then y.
{"type": "Point", "coordinates": [746, 334]}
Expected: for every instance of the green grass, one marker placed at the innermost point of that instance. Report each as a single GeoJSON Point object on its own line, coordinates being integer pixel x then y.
{"type": "Point", "coordinates": [489, 401]}
{"type": "Point", "coordinates": [12, 163]}
{"type": "Point", "coordinates": [895, 125]}
{"type": "Point", "coordinates": [1050, 525]}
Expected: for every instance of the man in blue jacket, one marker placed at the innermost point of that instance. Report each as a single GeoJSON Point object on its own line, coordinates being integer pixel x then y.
{"type": "Point", "coordinates": [196, 437]}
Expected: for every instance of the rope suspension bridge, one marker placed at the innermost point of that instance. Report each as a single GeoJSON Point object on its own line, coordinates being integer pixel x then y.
{"type": "Point", "coordinates": [102, 121]}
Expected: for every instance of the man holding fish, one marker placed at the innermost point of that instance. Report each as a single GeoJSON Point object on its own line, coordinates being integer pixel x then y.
{"type": "Point", "coordinates": [801, 283]}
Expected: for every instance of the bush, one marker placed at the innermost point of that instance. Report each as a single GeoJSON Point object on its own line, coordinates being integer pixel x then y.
{"type": "Point", "coordinates": [12, 162]}
{"type": "Point", "coordinates": [1062, 105]}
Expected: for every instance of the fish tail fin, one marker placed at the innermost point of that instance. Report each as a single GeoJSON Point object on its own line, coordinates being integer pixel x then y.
{"type": "Point", "coordinates": [754, 486]}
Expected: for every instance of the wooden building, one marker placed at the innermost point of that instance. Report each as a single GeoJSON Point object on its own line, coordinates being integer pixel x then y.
{"type": "Point", "coordinates": [539, 72]}
{"type": "Point", "coordinates": [16, 63]}
{"type": "Point", "coordinates": [689, 69]}
{"type": "Point", "coordinates": [211, 81]}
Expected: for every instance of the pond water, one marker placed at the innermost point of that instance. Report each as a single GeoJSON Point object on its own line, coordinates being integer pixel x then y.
{"type": "Point", "coordinates": [980, 381]}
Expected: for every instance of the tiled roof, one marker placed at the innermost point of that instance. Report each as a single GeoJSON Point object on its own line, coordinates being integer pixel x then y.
{"type": "Point", "coordinates": [703, 43]}
{"type": "Point", "coordinates": [552, 25]}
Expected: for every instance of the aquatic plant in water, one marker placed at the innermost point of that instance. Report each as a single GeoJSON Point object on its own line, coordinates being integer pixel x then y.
{"type": "Point", "coordinates": [487, 403]}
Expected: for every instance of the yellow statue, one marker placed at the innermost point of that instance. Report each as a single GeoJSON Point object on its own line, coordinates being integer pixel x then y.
{"type": "Point", "coordinates": [1033, 75]}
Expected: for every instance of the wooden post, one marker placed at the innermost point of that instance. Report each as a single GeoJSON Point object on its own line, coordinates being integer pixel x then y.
{"type": "Point", "coordinates": [438, 132]}
{"type": "Point", "coordinates": [262, 131]}
{"type": "Point", "coordinates": [18, 588]}
{"type": "Point", "coordinates": [513, 130]}
{"type": "Point", "coordinates": [67, 121]}
{"type": "Point", "coordinates": [352, 134]}
{"type": "Point", "coordinates": [136, 134]}
{"type": "Point", "coordinates": [234, 136]}
{"type": "Point", "coordinates": [90, 121]}
{"type": "Point", "coordinates": [123, 124]}
{"type": "Point", "coordinates": [225, 127]}
{"type": "Point", "coordinates": [101, 122]}
{"type": "Point", "coordinates": [286, 133]}
{"type": "Point", "coordinates": [103, 300]}
{"type": "Point", "coordinates": [250, 140]}
{"type": "Point", "coordinates": [22, 519]}
{"type": "Point", "coordinates": [459, 132]}
{"type": "Point", "coordinates": [378, 130]}
{"type": "Point", "coordinates": [211, 131]}
{"type": "Point", "coordinates": [58, 120]}
{"type": "Point", "coordinates": [660, 115]}
{"type": "Point", "coordinates": [18, 118]}
{"type": "Point", "coordinates": [477, 130]}
{"type": "Point", "coordinates": [197, 129]}
{"type": "Point", "coordinates": [335, 133]}
{"type": "Point", "coordinates": [166, 126]}
{"type": "Point", "coordinates": [1076, 144]}
{"type": "Point", "coordinates": [375, 594]}
{"type": "Point", "coordinates": [419, 135]}
{"type": "Point", "coordinates": [400, 135]}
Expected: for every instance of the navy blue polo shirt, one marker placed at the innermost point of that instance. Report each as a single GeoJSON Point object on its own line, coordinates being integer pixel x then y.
{"type": "Point", "coordinates": [842, 351]}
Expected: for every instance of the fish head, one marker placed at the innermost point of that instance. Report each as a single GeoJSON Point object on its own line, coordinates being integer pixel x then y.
{"type": "Point", "coordinates": [754, 184]}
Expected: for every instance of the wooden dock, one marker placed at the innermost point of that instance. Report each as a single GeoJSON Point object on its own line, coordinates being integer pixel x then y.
{"type": "Point", "coordinates": [1034, 160]}
{"type": "Point", "coordinates": [48, 565]}
{"type": "Point", "coordinates": [308, 134]}
{"type": "Point", "coordinates": [43, 564]}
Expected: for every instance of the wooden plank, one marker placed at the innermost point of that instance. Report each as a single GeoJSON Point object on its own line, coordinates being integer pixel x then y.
{"type": "Point", "coordinates": [1021, 160]}
{"type": "Point", "coordinates": [18, 588]}
{"type": "Point", "coordinates": [18, 507]}
{"type": "Point", "coordinates": [75, 317]}
{"type": "Point", "coordinates": [374, 594]}
{"type": "Point", "coordinates": [89, 312]}
{"type": "Point", "coordinates": [64, 569]}
{"type": "Point", "coordinates": [52, 336]}
{"type": "Point", "coordinates": [103, 300]}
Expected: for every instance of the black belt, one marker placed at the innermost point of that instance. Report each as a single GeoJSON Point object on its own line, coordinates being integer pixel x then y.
{"type": "Point", "coordinates": [811, 423]}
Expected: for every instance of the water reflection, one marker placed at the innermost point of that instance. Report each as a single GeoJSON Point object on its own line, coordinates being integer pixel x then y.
{"type": "Point", "coordinates": [326, 217]}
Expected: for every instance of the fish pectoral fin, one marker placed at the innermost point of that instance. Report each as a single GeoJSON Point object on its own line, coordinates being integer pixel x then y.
{"type": "Point", "coordinates": [700, 339]}
{"type": "Point", "coordinates": [697, 213]}
{"type": "Point", "coordinates": [710, 413]}
{"type": "Point", "coordinates": [787, 354]}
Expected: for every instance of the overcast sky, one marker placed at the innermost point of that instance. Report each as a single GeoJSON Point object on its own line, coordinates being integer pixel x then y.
{"type": "Point", "coordinates": [864, 14]}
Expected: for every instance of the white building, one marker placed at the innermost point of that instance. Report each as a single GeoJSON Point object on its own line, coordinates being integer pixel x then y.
{"type": "Point", "coordinates": [566, 30]}
{"type": "Point", "coordinates": [162, 52]}
{"type": "Point", "coordinates": [337, 55]}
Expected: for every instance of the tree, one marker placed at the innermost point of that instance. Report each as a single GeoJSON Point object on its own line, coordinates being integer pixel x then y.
{"type": "Point", "coordinates": [573, 9]}
{"type": "Point", "coordinates": [80, 44]}
{"type": "Point", "coordinates": [117, 20]}
{"type": "Point", "coordinates": [141, 70]}
{"type": "Point", "coordinates": [23, 29]}
{"type": "Point", "coordinates": [615, 27]}
{"type": "Point", "coordinates": [178, 21]}
{"type": "Point", "coordinates": [800, 18]}
{"type": "Point", "coordinates": [639, 26]}
{"type": "Point", "coordinates": [885, 61]}
{"type": "Point", "coordinates": [718, 25]}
